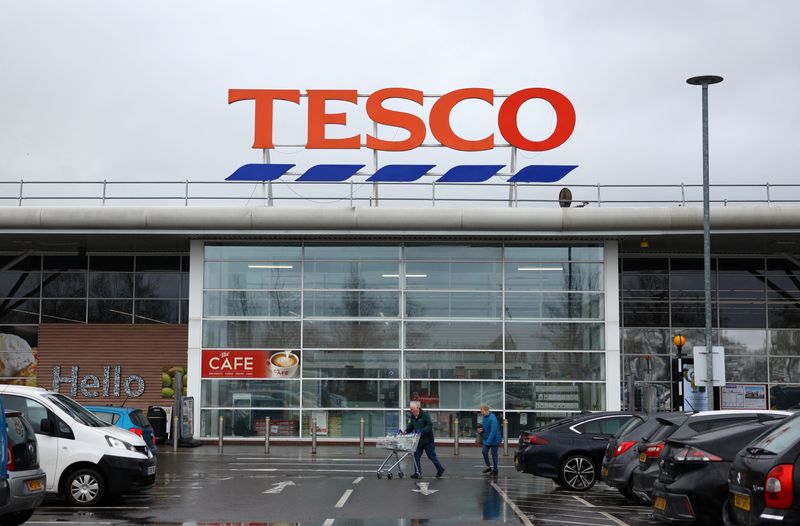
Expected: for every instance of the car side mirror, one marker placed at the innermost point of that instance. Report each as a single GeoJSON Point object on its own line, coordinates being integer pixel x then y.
{"type": "Point", "coordinates": [46, 426]}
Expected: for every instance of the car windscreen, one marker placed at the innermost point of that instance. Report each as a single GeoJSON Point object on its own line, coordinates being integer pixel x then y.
{"type": "Point", "coordinates": [75, 410]}
{"type": "Point", "coordinates": [138, 418]}
{"type": "Point", "coordinates": [784, 436]}
{"type": "Point", "coordinates": [629, 426]}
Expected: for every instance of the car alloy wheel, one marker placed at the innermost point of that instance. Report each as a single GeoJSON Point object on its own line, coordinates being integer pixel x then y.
{"type": "Point", "coordinates": [85, 487]}
{"type": "Point", "coordinates": [578, 473]}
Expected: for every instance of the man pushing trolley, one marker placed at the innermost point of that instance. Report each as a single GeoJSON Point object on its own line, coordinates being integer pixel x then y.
{"type": "Point", "coordinates": [420, 422]}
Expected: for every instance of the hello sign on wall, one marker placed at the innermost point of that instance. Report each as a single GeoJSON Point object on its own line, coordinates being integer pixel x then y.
{"type": "Point", "coordinates": [439, 124]}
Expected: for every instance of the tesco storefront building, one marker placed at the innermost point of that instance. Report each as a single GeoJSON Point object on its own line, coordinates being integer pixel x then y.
{"type": "Point", "coordinates": [343, 313]}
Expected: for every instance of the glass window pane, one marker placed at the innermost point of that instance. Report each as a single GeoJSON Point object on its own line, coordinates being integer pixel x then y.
{"type": "Point", "coordinates": [648, 367]}
{"type": "Point", "coordinates": [454, 335]}
{"type": "Point", "coordinates": [783, 288]}
{"type": "Point", "coordinates": [456, 365]}
{"type": "Point", "coordinates": [745, 368]}
{"type": "Point", "coordinates": [351, 275]}
{"type": "Point", "coordinates": [353, 304]}
{"type": "Point", "coordinates": [110, 311]}
{"type": "Point", "coordinates": [158, 285]}
{"type": "Point", "coordinates": [784, 315]}
{"type": "Point", "coordinates": [111, 263]}
{"type": "Point", "coordinates": [443, 423]}
{"type": "Point", "coordinates": [184, 312]}
{"type": "Point", "coordinates": [741, 285]}
{"type": "Point", "coordinates": [110, 285]}
{"type": "Point", "coordinates": [555, 366]}
{"type": "Point", "coordinates": [347, 424]}
{"type": "Point", "coordinates": [158, 263]}
{"type": "Point", "coordinates": [253, 253]}
{"type": "Point", "coordinates": [184, 284]}
{"type": "Point", "coordinates": [453, 252]}
{"type": "Point", "coordinates": [550, 305]}
{"type": "Point", "coordinates": [687, 278]}
{"type": "Point", "coordinates": [252, 275]}
{"type": "Point", "coordinates": [556, 396]}
{"type": "Point", "coordinates": [13, 311]}
{"type": "Point", "coordinates": [351, 364]}
{"type": "Point", "coordinates": [63, 311]}
{"type": "Point", "coordinates": [271, 303]}
{"type": "Point", "coordinates": [251, 334]}
{"type": "Point", "coordinates": [351, 334]}
{"type": "Point", "coordinates": [554, 336]}
{"type": "Point", "coordinates": [743, 341]}
{"type": "Point", "coordinates": [357, 253]}
{"type": "Point", "coordinates": [64, 263]}
{"type": "Point", "coordinates": [454, 305]}
{"type": "Point", "coordinates": [458, 276]}
{"type": "Point", "coordinates": [66, 285]}
{"type": "Point", "coordinates": [250, 422]}
{"type": "Point", "coordinates": [251, 393]}
{"type": "Point", "coordinates": [742, 314]}
{"type": "Point", "coordinates": [691, 314]}
{"type": "Point", "coordinates": [156, 311]}
{"type": "Point", "coordinates": [351, 393]}
{"type": "Point", "coordinates": [454, 394]}
{"type": "Point", "coordinates": [554, 276]}
{"type": "Point", "coordinates": [784, 343]}
{"type": "Point", "coordinates": [18, 284]}
{"type": "Point", "coordinates": [551, 253]}
{"type": "Point", "coordinates": [785, 369]}
{"type": "Point", "coordinates": [30, 263]}
{"type": "Point", "coordinates": [645, 313]}
{"type": "Point", "coordinates": [647, 341]}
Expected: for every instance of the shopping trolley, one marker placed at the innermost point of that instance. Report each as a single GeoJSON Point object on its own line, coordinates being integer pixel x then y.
{"type": "Point", "coordinates": [397, 444]}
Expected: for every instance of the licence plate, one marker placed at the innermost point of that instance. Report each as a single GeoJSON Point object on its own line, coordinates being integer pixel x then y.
{"type": "Point", "coordinates": [151, 470]}
{"type": "Point", "coordinates": [35, 485]}
{"type": "Point", "coordinates": [605, 472]}
{"type": "Point", "coordinates": [661, 503]}
{"type": "Point", "coordinates": [642, 457]}
{"type": "Point", "coordinates": [741, 501]}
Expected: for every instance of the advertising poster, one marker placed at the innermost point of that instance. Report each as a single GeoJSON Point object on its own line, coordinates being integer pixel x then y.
{"type": "Point", "coordinates": [744, 396]}
{"type": "Point", "coordinates": [250, 364]}
{"type": "Point", "coordinates": [19, 355]}
{"type": "Point", "coordinates": [695, 398]}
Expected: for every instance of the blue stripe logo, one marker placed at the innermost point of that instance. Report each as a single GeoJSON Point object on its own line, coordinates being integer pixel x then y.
{"type": "Point", "coordinates": [401, 173]}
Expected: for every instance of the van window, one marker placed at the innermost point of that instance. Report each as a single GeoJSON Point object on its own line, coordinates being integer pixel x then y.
{"type": "Point", "coordinates": [75, 410]}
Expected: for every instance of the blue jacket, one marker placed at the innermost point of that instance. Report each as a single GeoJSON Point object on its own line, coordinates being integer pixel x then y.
{"type": "Point", "coordinates": [491, 430]}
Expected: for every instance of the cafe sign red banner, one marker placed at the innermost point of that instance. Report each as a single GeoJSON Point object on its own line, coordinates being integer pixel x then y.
{"type": "Point", "coordinates": [221, 363]}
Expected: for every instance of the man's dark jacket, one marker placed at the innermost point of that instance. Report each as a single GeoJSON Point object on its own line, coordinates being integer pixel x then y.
{"type": "Point", "coordinates": [421, 424]}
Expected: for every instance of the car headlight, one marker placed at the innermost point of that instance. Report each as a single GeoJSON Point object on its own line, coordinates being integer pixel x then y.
{"type": "Point", "coordinates": [115, 442]}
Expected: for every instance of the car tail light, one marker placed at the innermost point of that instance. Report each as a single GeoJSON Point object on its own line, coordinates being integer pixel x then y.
{"type": "Point", "coordinates": [533, 440]}
{"type": "Point", "coordinates": [654, 450]}
{"type": "Point", "coordinates": [10, 459]}
{"type": "Point", "coordinates": [622, 448]}
{"type": "Point", "coordinates": [135, 431]}
{"type": "Point", "coordinates": [693, 454]}
{"type": "Point", "coordinates": [778, 489]}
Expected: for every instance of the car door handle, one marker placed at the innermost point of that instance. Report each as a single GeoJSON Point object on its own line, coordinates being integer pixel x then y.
{"type": "Point", "coordinates": [599, 438]}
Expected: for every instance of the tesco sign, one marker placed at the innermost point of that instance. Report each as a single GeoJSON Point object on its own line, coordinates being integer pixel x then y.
{"type": "Point", "coordinates": [438, 119]}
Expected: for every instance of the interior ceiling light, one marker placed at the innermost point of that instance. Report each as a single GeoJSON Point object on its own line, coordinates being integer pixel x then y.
{"type": "Point", "coordinates": [270, 266]}
{"type": "Point", "coordinates": [554, 269]}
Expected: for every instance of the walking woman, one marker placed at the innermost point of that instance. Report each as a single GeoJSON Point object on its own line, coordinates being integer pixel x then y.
{"type": "Point", "coordinates": [491, 439]}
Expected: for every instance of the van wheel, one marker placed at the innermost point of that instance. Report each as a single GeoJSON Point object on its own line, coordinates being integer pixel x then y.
{"type": "Point", "coordinates": [577, 473]}
{"type": "Point", "coordinates": [84, 487]}
{"type": "Point", "coordinates": [15, 518]}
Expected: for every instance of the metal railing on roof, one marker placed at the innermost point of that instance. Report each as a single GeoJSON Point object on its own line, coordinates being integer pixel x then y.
{"type": "Point", "coordinates": [358, 192]}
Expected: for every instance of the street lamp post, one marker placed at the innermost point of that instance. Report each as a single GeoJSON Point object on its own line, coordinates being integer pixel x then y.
{"type": "Point", "coordinates": [679, 342]}
{"type": "Point", "coordinates": [705, 81]}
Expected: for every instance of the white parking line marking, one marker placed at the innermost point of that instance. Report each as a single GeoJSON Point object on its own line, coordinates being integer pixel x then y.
{"type": "Point", "coordinates": [227, 478]}
{"type": "Point", "coordinates": [359, 479]}
{"type": "Point", "coordinates": [559, 521]}
{"type": "Point", "coordinates": [344, 498]}
{"type": "Point", "coordinates": [328, 522]}
{"type": "Point", "coordinates": [514, 508]}
{"type": "Point", "coordinates": [603, 513]}
{"type": "Point", "coordinates": [309, 470]}
{"type": "Point", "coordinates": [587, 504]}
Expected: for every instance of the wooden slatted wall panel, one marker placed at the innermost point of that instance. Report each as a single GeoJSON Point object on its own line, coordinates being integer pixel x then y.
{"type": "Point", "coordinates": [142, 350]}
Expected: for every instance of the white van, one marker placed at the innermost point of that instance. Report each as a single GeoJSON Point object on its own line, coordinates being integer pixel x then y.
{"type": "Point", "coordinates": [85, 459]}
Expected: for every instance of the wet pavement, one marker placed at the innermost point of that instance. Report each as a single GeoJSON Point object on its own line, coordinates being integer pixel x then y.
{"type": "Point", "coordinates": [337, 486]}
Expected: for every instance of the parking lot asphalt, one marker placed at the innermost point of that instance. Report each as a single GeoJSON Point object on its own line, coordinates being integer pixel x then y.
{"type": "Point", "coordinates": [337, 486]}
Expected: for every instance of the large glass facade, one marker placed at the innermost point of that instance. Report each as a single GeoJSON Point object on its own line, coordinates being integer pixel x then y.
{"type": "Point", "coordinates": [755, 316]}
{"type": "Point", "coordinates": [365, 328]}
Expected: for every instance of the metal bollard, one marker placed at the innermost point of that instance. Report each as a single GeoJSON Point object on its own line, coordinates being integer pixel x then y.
{"type": "Point", "coordinates": [221, 433]}
{"type": "Point", "coordinates": [175, 434]}
{"type": "Point", "coordinates": [313, 436]}
{"type": "Point", "coordinates": [266, 436]}
{"type": "Point", "coordinates": [361, 437]}
{"type": "Point", "coordinates": [455, 437]}
{"type": "Point", "coordinates": [505, 437]}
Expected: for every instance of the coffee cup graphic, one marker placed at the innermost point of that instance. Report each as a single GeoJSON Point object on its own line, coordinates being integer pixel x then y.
{"type": "Point", "coordinates": [283, 364]}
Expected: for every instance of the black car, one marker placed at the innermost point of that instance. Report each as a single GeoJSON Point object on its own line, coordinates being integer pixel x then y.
{"type": "Point", "coordinates": [569, 451]}
{"type": "Point", "coordinates": [650, 450]}
{"type": "Point", "coordinates": [764, 480]}
{"type": "Point", "coordinates": [692, 484]}
{"type": "Point", "coordinates": [622, 455]}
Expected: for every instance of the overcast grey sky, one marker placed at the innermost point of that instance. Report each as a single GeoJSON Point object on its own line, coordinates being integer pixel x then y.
{"type": "Point", "coordinates": [131, 90]}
